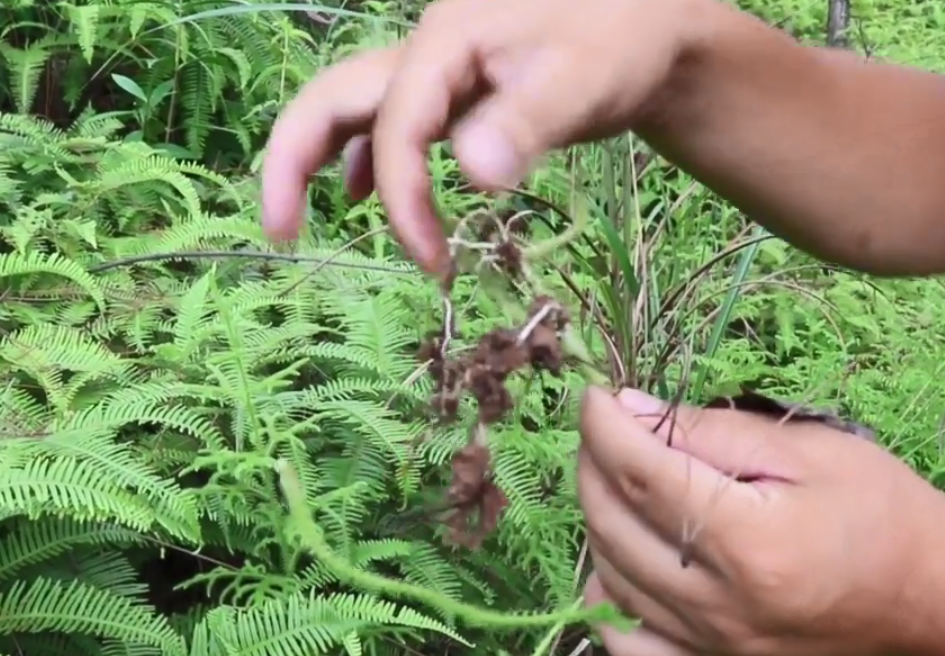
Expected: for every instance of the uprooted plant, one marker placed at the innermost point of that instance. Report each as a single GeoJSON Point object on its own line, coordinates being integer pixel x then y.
{"type": "Point", "coordinates": [541, 338]}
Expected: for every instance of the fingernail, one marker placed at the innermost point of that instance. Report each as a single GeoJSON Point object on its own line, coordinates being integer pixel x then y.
{"type": "Point", "coordinates": [639, 402]}
{"type": "Point", "coordinates": [488, 157]}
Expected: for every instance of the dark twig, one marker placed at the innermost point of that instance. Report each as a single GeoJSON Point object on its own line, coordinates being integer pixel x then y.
{"type": "Point", "coordinates": [257, 255]}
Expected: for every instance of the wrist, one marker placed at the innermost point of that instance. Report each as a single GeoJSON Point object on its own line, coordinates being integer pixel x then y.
{"type": "Point", "coordinates": [717, 46]}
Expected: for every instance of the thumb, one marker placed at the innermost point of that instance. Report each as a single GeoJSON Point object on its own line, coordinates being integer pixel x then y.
{"type": "Point", "coordinates": [737, 443]}
{"type": "Point", "coordinates": [668, 488]}
{"type": "Point", "coordinates": [506, 135]}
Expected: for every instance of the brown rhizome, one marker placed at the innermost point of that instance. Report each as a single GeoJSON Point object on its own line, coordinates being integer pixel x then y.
{"type": "Point", "coordinates": [481, 373]}
{"type": "Point", "coordinates": [474, 499]}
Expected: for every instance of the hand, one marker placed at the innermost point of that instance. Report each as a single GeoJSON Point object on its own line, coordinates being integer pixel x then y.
{"type": "Point", "coordinates": [832, 548]}
{"type": "Point", "coordinates": [506, 81]}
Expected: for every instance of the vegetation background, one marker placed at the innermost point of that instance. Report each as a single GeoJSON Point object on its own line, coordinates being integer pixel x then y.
{"type": "Point", "coordinates": [158, 355]}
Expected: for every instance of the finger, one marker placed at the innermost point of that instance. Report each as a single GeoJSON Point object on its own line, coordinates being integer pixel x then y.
{"type": "Point", "coordinates": [643, 556]}
{"type": "Point", "coordinates": [505, 136]}
{"type": "Point", "coordinates": [639, 641]}
{"type": "Point", "coordinates": [665, 487]}
{"type": "Point", "coordinates": [358, 167]}
{"type": "Point", "coordinates": [635, 602]}
{"type": "Point", "coordinates": [741, 444]}
{"type": "Point", "coordinates": [438, 72]}
{"type": "Point", "coordinates": [595, 594]}
{"type": "Point", "coordinates": [313, 128]}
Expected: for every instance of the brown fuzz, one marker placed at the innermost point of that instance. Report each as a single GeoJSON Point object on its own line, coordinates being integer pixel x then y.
{"type": "Point", "coordinates": [482, 373]}
{"type": "Point", "coordinates": [488, 225]}
{"type": "Point", "coordinates": [475, 499]}
{"type": "Point", "coordinates": [509, 259]}
{"type": "Point", "coordinates": [508, 255]}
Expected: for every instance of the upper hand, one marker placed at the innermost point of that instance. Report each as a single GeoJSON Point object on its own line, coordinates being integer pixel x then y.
{"type": "Point", "coordinates": [506, 81]}
{"type": "Point", "coordinates": [830, 550]}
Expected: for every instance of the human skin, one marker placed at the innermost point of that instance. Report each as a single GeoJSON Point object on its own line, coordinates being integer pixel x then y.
{"type": "Point", "coordinates": [834, 547]}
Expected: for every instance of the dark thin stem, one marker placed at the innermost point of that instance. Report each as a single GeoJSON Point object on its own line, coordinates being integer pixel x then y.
{"type": "Point", "coordinates": [838, 22]}
{"type": "Point", "coordinates": [278, 257]}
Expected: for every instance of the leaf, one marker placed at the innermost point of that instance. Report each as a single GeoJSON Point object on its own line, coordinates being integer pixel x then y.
{"type": "Point", "coordinates": [130, 86]}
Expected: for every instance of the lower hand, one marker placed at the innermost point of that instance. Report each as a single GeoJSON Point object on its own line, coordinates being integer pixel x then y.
{"type": "Point", "coordinates": [832, 548]}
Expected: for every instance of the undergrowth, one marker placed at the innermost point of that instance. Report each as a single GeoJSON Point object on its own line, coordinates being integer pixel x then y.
{"type": "Point", "coordinates": [161, 363]}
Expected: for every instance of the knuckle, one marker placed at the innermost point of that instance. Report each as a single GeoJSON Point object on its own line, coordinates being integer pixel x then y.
{"type": "Point", "coordinates": [634, 489]}
{"type": "Point", "coordinates": [768, 573]}
{"type": "Point", "coordinates": [776, 586]}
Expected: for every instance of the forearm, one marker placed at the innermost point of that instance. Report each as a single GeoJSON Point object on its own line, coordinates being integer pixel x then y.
{"type": "Point", "coordinates": [843, 158]}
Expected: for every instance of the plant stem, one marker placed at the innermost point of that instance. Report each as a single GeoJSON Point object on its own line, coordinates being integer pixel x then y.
{"type": "Point", "coordinates": [312, 538]}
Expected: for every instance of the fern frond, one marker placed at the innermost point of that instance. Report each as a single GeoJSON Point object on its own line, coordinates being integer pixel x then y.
{"type": "Point", "coordinates": [48, 605]}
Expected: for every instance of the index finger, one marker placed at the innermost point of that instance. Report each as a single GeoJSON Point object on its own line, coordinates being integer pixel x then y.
{"type": "Point", "coordinates": [438, 73]}
{"type": "Point", "coordinates": [340, 103]}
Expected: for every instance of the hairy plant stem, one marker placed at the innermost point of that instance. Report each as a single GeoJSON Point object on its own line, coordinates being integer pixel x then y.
{"type": "Point", "coordinates": [311, 536]}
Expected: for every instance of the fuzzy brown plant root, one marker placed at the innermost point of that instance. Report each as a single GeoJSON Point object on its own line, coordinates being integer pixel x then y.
{"type": "Point", "coordinates": [500, 232]}
{"type": "Point", "coordinates": [476, 501]}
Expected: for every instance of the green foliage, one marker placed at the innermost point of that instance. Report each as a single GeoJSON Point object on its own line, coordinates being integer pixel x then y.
{"type": "Point", "coordinates": [159, 358]}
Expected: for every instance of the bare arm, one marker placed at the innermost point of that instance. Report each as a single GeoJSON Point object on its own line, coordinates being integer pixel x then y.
{"type": "Point", "coordinates": [842, 157]}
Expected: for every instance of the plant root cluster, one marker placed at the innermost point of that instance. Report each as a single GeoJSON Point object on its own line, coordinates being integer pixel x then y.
{"type": "Point", "coordinates": [481, 373]}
